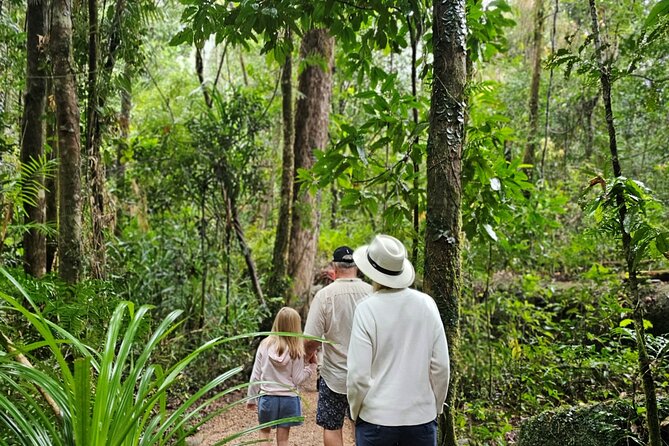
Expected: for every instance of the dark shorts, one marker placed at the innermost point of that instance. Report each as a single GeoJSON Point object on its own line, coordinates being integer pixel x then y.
{"type": "Point", "coordinates": [332, 407]}
{"type": "Point", "coordinates": [272, 408]}
{"type": "Point", "coordinates": [368, 434]}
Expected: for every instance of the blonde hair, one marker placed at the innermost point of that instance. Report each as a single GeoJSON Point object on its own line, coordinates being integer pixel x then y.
{"type": "Point", "coordinates": [287, 320]}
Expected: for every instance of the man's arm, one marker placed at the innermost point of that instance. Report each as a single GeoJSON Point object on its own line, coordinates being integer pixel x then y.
{"type": "Point", "coordinates": [440, 367]}
{"type": "Point", "coordinates": [359, 365]}
{"type": "Point", "coordinates": [310, 346]}
{"type": "Point", "coordinates": [315, 325]}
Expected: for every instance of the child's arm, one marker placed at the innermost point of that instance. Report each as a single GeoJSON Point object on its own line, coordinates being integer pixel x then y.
{"type": "Point", "coordinates": [256, 375]}
{"type": "Point", "coordinates": [303, 371]}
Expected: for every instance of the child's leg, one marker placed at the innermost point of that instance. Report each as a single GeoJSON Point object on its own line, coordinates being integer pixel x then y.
{"type": "Point", "coordinates": [282, 436]}
{"type": "Point", "coordinates": [264, 435]}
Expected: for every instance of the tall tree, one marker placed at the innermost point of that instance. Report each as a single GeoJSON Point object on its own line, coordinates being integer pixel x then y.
{"type": "Point", "coordinates": [98, 91]}
{"type": "Point", "coordinates": [33, 133]}
{"type": "Point", "coordinates": [282, 238]}
{"type": "Point", "coordinates": [311, 131]}
{"type": "Point", "coordinates": [92, 143]}
{"type": "Point", "coordinates": [69, 141]}
{"type": "Point", "coordinates": [604, 66]}
{"type": "Point", "coordinates": [444, 183]}
{"type": "Point", "coordinates": [529, 156]}
{"type": "Point", "coordinates": [51, 183]}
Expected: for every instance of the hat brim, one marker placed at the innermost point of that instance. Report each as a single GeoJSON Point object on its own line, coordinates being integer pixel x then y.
{"type": "Point", "coordinates": [402, 280]}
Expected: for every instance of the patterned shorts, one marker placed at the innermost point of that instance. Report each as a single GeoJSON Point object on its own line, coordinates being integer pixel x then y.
{"type": "Point", "coordinates": [332, 407]}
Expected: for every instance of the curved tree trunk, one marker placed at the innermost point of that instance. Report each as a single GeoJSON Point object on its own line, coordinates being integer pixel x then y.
{"type": "Point", "coordinates": [33, 133]}
{"type": "Point", "coordinates": [529, 156]}
{"type": "Point", "coordinates": [588, 107]}
{"type": "Point", "coordinates": [311, 132]}
{"type": "Point", "coordinates": [645, 371]}
{"type": "Point", "coordinates": [277, 281]}
{"type": "Point", "coordinates": [69, 142]}
{"type": "Point", "coordinates": [444, 184]}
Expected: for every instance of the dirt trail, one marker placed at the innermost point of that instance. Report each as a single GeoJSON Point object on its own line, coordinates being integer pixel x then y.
{"type": "Point", "coordinates": [240, 418]}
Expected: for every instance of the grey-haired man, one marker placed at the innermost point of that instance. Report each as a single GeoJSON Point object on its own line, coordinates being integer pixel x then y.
{"type": "Point", "coordinates": [331, 316]}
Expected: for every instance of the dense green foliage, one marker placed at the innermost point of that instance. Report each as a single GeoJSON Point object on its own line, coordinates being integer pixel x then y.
{"type": "Point", "coordinates": [616, 422]}
{"type": "Point", "coordinates": [192, 193]}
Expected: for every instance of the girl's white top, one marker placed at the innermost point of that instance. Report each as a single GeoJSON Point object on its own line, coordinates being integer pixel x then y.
{"type": "Point", "coordinates": [281, 375]}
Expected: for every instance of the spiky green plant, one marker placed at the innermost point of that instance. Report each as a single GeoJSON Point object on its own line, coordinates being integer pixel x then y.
{"type": "Point", "coordinates": [116, 397]}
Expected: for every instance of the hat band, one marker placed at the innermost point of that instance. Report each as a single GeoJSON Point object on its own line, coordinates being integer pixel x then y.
{"type": "Point", "coordinates": [381, 269]}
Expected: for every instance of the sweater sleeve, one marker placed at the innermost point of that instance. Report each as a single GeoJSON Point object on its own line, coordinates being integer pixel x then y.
{"type": "Point", "coordinates": [359, 365]}
{"type": "Point", "coordinates": [254, 387]}
{"type": "Point", "coordinates": [440, 369]}
{"type": "Point", "coordinates": [301, 372]}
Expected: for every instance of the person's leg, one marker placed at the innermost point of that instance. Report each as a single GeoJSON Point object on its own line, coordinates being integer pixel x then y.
{"type": "Point", "coordinates": [264, 435]}
{"type": "Point", "coordinates": [282, 434]}
{"type": "Point", "coordinates": [368, 434]}
{"type": "Point", "coordinates": [333, 437]}
{"type": "Point", "coordinates": [330, 413]}
{"type": "Point", "coordinates": [419, 435]}
{"type": "Point", "coordinates": [268, 410]}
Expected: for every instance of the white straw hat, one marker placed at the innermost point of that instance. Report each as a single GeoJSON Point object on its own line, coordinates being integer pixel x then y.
{"type": "Point", "coordinates": [385, 262]}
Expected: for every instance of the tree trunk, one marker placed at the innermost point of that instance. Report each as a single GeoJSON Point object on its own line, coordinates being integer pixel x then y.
{"type": "Point", "coordinates": [588, 109]}
{"type": "Point", "coordinates": [199, 68]}
{"type": "Point", "coordinates": [415, 32]}
{"type": "Point", "coordinates": [118, 172]}
{"type": "Point", "coordinates": [278, 279]}
{"type": "Point", "coordinates": [51, 182]}
{"type": "Point", "coordinates": [69, 142]}
{"type": "Point", "coordinates": [311, 132]}
{"type": "Point", "coordinates": [93, 134]}
{"type": "Point", "coordinates": [444, 184]}
{"type": "Point", "coordinates": [529, 156]}
{"type": "Point", "coordinates": [246, 250]}
{"type": "Point", "coordinates": [652, 416]}
{"type": "Point", "coordinates": [33, 133]}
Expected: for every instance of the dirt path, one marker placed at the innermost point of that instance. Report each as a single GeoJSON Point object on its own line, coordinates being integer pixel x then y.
{"type": "Point", "coordinates": [240, 418]}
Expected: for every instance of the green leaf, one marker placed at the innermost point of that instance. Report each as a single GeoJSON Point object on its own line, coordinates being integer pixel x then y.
{"type": "Point", "coordinates": [490, 231]}
{"type": "Point", "coordinates": [625, 322]}
{"type": "Point", "coordinates": [660, 9]}
{"type": "Point", "coordinates": [662, 243]}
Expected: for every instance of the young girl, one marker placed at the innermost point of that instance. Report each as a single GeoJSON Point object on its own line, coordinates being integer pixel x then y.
{"type": "Point", "coordinates": [281, 366]}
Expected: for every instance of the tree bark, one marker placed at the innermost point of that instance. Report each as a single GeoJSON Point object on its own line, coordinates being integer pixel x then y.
{"type": "Point", "coordinates": [278, 279]}
{"type": "Point", "coordinates": [93, 134]}
{"type": "Point", "coordinates": [69, 141]}
{"type": "Point", "coordinates": [443, 239]}
{"type": "Point", "coordinates": [588, 109]}
{"type": "Point", "coordinates": [311, 132]}
{"type": "Point", "coordinates": [414, 21]}
{"type": "Point", "coordinates": [529, 157]}
{"type": "Point", "coordinates": [33, 133]}
{"type": "Point", "coordinates": [52, 181]}
{"type": "Point", "coordinates": [652, 416]}
{"type": "Point", "coordinates": [199, 68]}
{"type": "Point", "coordinates": [124, 131]}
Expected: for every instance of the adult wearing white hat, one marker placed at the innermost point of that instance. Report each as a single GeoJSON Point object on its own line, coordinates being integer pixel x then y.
{"type": "Point", "coordinates": [398, 364]}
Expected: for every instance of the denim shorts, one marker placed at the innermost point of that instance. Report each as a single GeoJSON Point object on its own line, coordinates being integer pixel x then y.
{"type": "Point", "coordinates": [332, 407]}
{"type": "Point", "coordinates": [368, 434]}
{"type": "Point", "coordinates": [272, 408]}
